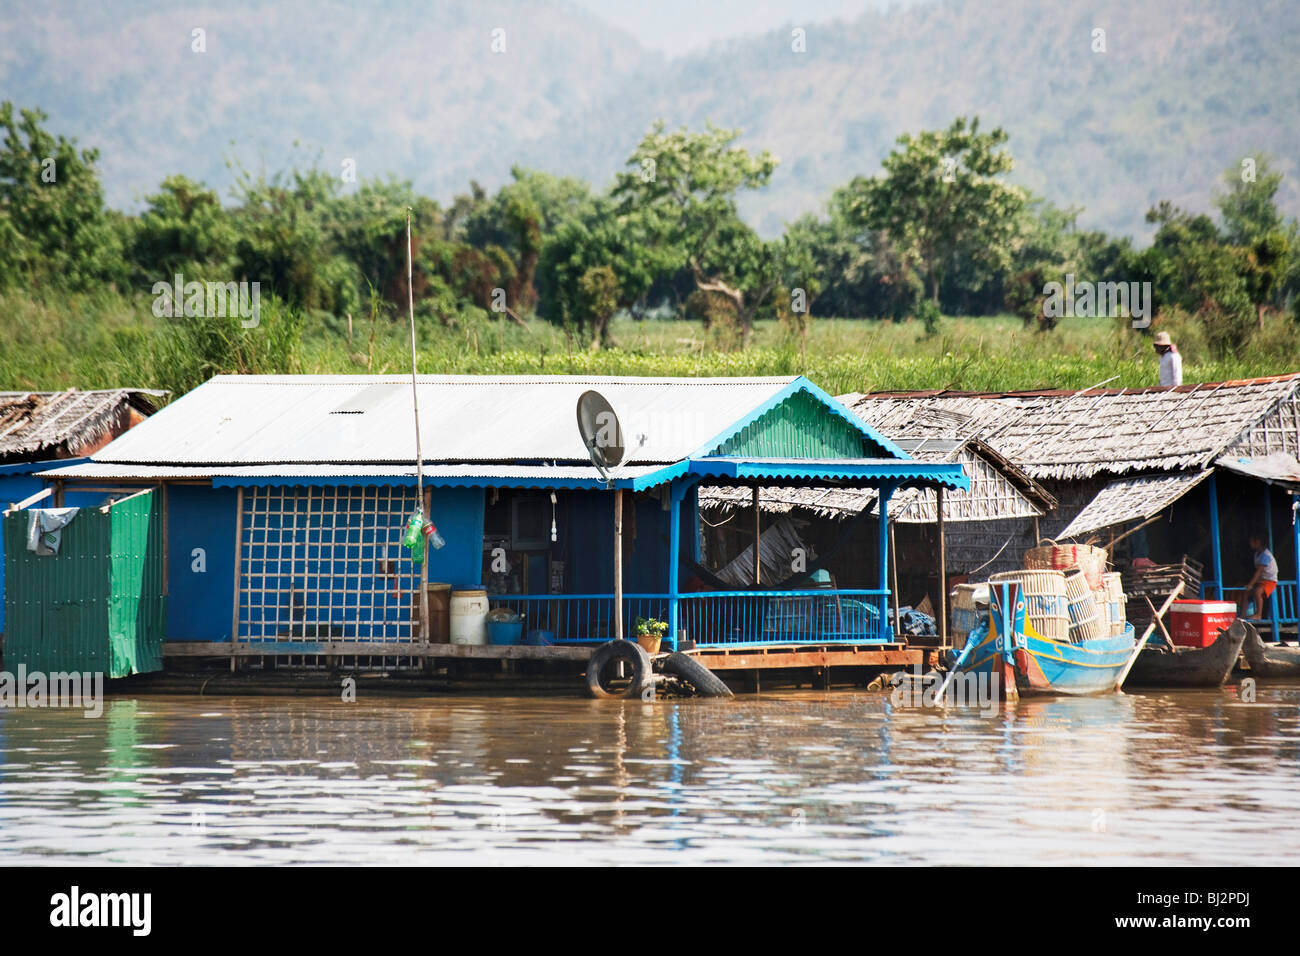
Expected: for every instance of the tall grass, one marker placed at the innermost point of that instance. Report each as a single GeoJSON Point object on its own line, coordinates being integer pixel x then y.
{"type": "Point", "coordinates": [109, 340]}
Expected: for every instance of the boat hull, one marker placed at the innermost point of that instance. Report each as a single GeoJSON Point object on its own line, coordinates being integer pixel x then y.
{"type": "Point", "coordinates": [1055, 668]}
{"type": "Point", "coordinates": [1269, 661]}
{"type": "Point", "coordinates": [1188, 666]}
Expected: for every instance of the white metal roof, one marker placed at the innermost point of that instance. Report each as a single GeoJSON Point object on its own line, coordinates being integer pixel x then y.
{"type": "Point", "coordinates": [247, 419]}
{"type": "Point", "coordinates": [527, 475]}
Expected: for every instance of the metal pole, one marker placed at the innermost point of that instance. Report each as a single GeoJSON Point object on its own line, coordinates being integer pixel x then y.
{"type": "Point", "coordinates": [1272, 598]}
{"type": "Point", "coordinates": [675, 495]}
{"type": "Point", "coordinates": [618, 563]}
{"type": "Point", "coordinates": [884, 494]}
{"type": "Point", "coordinates": [943, 572]}
{"type": "Point", "coordinates": [1216, 564]}
{"type": "Point", "coordinates": [758, 558]}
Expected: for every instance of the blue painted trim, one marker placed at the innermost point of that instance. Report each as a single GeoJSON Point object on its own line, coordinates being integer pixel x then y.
{"type": "Point", "coordinates": [886, 492]}
{"type": "Point", "coordinates": [885, 471]}
{"type": "Point", "coordinates": [676, 493]}
{"type": "Point", "coordinates": [1216, 564]}
{"type": "Point", "coordinates": [32, 467]}
{"type": "Point", "coordinates": [833, 406]}
{"type": "Point", "coordinates": [408, 481]}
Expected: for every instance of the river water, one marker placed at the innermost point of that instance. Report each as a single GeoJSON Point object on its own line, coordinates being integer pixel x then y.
{"type": "Point", "coordinates": [1168, 778]}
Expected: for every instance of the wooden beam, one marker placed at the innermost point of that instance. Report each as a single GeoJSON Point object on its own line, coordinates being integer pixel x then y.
{"type": "Point", "coordinates": [29, 501]}
{"type": "Point", "coordinates": [221, 649]}
{"type": "Point", "coordinates": [618, 563]}
{"type": "Point", "coordinates": [758, 533]}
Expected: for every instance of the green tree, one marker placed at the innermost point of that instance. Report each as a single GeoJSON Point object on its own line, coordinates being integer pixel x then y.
{"type": "Point", "coordinates": [942, 200]}
{"type": "Point", "coordinates": [183, 229]}
{"type": "Point", "coordinates": [1247, 204]}
{"type": "Point", "coordinates": [54, 230]}
{"type": "Point", "coordinates": [683, 188]}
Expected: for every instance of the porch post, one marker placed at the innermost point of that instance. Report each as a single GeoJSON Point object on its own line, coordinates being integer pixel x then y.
{"type": "Point", "coordinates": [618, 563]}
{"type": "Point", "coordinates": [1268, 524]}
{"type": "Point", "coordinates": [1295, 535]}
{"type": "Point", "coordinates": [676, 493]}
{"type": "Point", "coordinates": [1216, 565]}
{"type": "Point", "coordinates": [943, 571]}
{"type": "Point", "coordinates": [884, 494]}
{"type": "Point", "coordinates": [758, 558]}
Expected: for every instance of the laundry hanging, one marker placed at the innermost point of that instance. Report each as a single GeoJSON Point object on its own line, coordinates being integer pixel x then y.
{"type": "Point", "coordinates": [45, 528]}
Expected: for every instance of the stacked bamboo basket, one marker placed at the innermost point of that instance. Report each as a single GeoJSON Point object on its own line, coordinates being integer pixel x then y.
{"type": "Point", "coordinates": [1069, 595]}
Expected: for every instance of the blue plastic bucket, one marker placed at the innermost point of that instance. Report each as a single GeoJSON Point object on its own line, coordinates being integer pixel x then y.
{"type": "Point", "coordinates": [504, 632]}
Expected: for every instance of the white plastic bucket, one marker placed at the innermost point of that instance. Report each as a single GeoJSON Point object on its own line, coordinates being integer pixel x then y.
{"type": "Point", "coordinates": [469, 611]}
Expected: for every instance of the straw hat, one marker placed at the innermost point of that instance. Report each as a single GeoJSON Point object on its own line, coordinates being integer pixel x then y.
{"type": "Point", "coordinates": [1162, 338]}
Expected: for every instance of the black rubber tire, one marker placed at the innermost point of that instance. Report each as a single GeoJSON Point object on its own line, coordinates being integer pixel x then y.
{"type": "Point", "coordinates": [600, 666]}
{"type": "Point", "coordinates": [687, 668]}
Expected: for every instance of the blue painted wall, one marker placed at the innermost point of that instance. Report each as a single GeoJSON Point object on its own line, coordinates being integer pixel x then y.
{"type": "Point", "coordinates": [587, 544]}
{"type": "Point", "coordinates": [458, 515]}
{"type": "Point", "coordinates": [199, 601]}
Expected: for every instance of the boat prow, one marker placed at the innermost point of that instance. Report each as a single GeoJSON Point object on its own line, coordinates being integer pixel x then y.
{"type": "Point", "coordinates": [1266, 661]}
{"type": "Point", "coordinates": [1159, 666]}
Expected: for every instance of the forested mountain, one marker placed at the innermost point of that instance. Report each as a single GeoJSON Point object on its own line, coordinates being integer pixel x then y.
{"type": "Point", "coordinates": [1183, 89]}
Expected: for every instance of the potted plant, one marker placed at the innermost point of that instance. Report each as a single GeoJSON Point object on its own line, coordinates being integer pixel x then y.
{"type": "Point", "coordinates": [649, 632]}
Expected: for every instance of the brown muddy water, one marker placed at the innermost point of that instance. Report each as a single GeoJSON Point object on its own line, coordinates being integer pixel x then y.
{"type": "Point", "coordinates": [1167, 778]}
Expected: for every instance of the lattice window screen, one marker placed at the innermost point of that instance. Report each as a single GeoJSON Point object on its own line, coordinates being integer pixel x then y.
{"type": "Point", "coordinates": [321, 564]}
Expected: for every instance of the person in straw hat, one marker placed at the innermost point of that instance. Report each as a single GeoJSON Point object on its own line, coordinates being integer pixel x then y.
{"type": "Point", "coordinates": [1171, 363]}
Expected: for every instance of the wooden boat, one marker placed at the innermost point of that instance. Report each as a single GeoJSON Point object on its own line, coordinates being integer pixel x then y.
{"type": "Point", "coordinates": [1159, 666]}
{"type": "Point", "coordinates": [1005, 643]}
{"type": "Point", "coordinates": [1269, 660]}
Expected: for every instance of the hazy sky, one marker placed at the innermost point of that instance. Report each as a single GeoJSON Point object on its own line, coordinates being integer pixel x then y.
{"type": "Point", "coordinates": [681, 26]}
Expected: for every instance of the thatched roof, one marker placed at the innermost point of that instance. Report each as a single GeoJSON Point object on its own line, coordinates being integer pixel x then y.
{"type": "Point", "coordinates": [998, 490]}
{"type": "Point", "coordinates": [1066, 435]}
{"type": "Point", "coordinates": [39, 425]}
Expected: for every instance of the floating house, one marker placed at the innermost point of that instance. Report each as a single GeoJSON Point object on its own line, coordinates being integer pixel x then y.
{"type": "Point", "coordinates": [283, 500]}
{"type": "Point", "coordinates": [1164, 473]}
{"type": "Point", "coordinates": [39, 429]}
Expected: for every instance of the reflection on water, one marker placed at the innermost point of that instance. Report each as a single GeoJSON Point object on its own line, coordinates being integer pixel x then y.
{"type": "Point", "coordinates": [1179, 777]}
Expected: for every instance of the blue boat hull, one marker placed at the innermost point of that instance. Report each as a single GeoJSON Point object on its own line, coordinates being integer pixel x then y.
{"type": "Point", "coordinates": [1006, 644]}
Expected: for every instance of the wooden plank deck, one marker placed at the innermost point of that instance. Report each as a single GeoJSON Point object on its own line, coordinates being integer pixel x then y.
{"type": "Point", "coordinates": [812, 656]}
{"type": "Point", "coordinates": [771, 657]}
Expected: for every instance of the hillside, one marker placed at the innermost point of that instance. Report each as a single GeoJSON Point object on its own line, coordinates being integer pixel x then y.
{"type": "Point", "coordinates": [1184, 89]}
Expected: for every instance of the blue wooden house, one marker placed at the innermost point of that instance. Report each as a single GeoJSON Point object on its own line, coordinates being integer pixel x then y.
{"type": "Point", "coordinates": [284, 499]}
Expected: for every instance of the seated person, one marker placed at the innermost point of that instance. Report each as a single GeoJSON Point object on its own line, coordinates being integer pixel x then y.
{"type": "Point", "coordinates": [1263, 582]}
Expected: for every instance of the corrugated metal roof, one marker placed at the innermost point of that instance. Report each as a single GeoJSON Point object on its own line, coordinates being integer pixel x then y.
{"type": "Point", "coordinates": [523, 476]}
{"type": "Point", "coordinates": [1278, 469]}
{"type": "Point", "coordinates": [236, 419]}
{"type": "Point", "coordinates": [871, 470]}
{"type": "Point", "coordinates": [1132, 499]}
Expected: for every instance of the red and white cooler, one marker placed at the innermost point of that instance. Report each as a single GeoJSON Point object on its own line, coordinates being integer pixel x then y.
{"type": "Point", "coordinates": [1197, 623]}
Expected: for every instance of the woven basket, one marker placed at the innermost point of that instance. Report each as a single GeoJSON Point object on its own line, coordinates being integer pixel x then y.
{"type": "Point", "coordinates": [964, 613]}
{"type": "Point", "coordinates": [1046, 604]}
{"type": "Point", "coordinates": [1086, 623]}
{"type": "Point", "coordinates": [1087, 558]}
{"type": "Point", "coordinates": [1116, 602]}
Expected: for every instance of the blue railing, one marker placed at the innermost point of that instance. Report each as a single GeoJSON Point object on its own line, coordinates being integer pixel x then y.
{"type": "Point", "coordinates": [1283, 602]}
{"type": "Point", "coordinates": [714, 618]}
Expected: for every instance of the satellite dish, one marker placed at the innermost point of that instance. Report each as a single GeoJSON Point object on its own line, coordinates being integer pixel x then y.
{"type": "Point", "coordinates": [600, 431]}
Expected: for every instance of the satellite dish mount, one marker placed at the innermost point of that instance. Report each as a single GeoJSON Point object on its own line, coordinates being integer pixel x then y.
{"type": "Point", "coordinates": [601, 433]}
